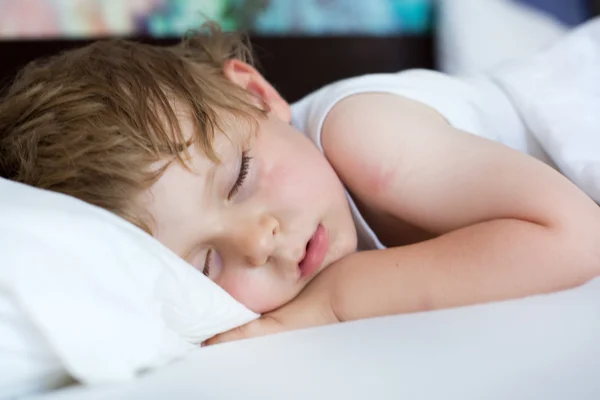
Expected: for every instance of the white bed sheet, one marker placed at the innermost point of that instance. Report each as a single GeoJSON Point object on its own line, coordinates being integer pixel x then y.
{"type": "Point", "coordinates": [543, 347]}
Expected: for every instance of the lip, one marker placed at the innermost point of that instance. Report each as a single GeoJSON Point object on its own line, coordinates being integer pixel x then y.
{"type": "Point", "coordinates": [316, 250]}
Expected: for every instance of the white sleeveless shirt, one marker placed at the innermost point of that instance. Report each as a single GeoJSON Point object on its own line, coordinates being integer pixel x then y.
{"type": "Point", "coordinates": [475, 105]}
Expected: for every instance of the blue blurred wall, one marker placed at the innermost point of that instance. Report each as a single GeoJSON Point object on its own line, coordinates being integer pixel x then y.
{"type": "Point", "coordinates": [570, 12]}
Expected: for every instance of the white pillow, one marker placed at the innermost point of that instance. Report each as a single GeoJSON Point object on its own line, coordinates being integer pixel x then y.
{"type": "Point", "coordinates": [84, 293]}
{"type": "Point", "coordinates": [557, 93]}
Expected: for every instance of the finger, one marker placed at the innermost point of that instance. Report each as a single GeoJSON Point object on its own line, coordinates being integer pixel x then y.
{"type": "Point", "coordinates": [260, 327]}
{"type": "Point", "coordinates": [229, 336]}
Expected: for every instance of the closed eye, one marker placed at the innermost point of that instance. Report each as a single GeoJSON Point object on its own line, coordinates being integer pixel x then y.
{"type": "Point", "coordinates": [244, 168]}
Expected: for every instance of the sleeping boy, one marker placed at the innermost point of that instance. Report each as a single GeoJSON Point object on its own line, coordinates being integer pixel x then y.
{"type": "Point", "coordinates": [433, 179]}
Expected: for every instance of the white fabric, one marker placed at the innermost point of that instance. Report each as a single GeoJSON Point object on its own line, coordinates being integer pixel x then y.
{"type": "Point", "coordinates": [538, 348]}
{"type": "Point", "coordinates": [557, 93]}
{"type": "Point", "coordinates": [87, 294]}
{"type": "Point", "coordinates": [475, 35]}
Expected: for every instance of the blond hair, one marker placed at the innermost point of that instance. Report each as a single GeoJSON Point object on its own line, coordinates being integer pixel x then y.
{"type": "Point", "coordinates": [90, 122]}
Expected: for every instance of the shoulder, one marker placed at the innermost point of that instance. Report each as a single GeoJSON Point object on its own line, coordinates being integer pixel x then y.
{"type": "Point", "coordinates": [310, 112]}
{"type": "Point", "coordinates": [371, 139]}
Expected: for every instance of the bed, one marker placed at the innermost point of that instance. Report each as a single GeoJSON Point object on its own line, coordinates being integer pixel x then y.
{"type": "Point", "coordinates": [545, 347]}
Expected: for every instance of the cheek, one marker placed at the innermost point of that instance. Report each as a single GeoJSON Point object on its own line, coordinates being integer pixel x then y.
{"type": "Point", "coordinates": [299, 176]}
{"type": "Point", "coordinates": [252, 290]}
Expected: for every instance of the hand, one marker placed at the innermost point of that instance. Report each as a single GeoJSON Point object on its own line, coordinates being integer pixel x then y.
{"type": "Point", "coordinates": [312, 307]}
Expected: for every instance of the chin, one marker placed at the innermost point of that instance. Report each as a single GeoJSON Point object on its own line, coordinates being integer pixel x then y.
{"type": "Point", "coordinates": [261, 308]}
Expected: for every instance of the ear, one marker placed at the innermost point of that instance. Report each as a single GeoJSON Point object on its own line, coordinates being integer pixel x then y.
{"type": "Point", "coordinates": [249, 78]}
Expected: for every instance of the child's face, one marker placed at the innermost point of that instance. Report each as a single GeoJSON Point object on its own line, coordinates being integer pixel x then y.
{"type": "Point", "coordinates": [263, 222]}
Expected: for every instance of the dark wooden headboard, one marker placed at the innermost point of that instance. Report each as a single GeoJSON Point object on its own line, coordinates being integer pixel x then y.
{"type": "Point", "coordinates": [295, 65]}
{"type": "Point", "coordinates": [595, 5]}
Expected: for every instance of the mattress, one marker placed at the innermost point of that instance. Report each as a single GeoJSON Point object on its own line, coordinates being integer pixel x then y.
{"type": "Point", "coordinates": [542, 347]}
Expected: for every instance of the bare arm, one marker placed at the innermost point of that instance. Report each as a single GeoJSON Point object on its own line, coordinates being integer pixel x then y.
{"type": "Point", "coordinates": [508, 225]}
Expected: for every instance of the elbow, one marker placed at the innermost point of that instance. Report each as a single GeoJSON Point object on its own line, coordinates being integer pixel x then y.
{"type": "Point", "coordinates": [579, 242]}
{"type": "Point", "coordinates": [590, 257]}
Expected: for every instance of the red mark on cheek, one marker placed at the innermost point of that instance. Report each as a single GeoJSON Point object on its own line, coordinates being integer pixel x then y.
{"type": "Point", "coordinates": [275, 172]}
{"type": "Point", "coordinates": [285, 177]}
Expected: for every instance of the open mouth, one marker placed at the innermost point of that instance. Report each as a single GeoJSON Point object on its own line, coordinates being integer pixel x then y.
{"type": "Point", "coordinates": [316, 250]}
{"type": "Point", "coordinates": [305, 251]}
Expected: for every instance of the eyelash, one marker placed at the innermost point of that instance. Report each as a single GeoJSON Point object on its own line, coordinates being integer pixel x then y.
{"type": "Point", "coordinates": [206, 269]}
{"type": "Point", "coordinates": [244, 168]}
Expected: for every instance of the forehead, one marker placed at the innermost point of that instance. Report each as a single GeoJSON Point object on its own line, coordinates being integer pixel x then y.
{"type": "Point", "coordinates": [194, 166]}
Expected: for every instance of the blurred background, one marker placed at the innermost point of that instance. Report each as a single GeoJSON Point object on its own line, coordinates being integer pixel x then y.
{"type": "Point", "coordinates": [171, 18]}
{"type": "Point", "coordinates": [302, 44]}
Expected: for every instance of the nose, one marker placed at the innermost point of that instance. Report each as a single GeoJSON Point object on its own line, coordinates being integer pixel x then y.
{"type": "Point", "coordinates": [257, 240]}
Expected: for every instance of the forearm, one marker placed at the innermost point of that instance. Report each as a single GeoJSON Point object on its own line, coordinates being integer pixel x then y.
{"type": "Point", "coordinates": [490, 261]}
